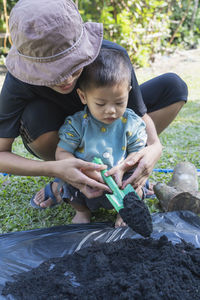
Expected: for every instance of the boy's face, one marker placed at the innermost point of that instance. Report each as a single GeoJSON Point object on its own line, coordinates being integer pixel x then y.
{"type": "Point", "coordinates": [108, 103]}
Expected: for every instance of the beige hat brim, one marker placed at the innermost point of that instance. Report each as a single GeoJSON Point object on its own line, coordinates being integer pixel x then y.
{"type": "Point", "coordinates": [47, 73]}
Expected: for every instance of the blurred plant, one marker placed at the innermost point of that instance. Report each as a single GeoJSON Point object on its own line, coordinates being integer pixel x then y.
{"type": "Point", "coordinates": [140, 26]}
{"type": "Point", "coordinates": [3, 53]}
{"type": "Point", "coordinates": [143, 27]}
{"type": "Point", "coordinates": [5, 8]}
{"type": "Point", "coordinates": [185, 23]}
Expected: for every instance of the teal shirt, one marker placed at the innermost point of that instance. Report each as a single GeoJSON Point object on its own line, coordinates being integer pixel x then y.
{"type": "Point", "coordinates": [86, 137]}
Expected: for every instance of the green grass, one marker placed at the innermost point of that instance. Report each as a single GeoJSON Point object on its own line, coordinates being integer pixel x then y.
{"type": "Point", "coordinates": [180, 141]}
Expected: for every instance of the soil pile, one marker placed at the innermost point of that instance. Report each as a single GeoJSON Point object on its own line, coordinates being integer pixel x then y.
{"type": "Point", "coordinates": [132, 269]}
{"type": "Point", "coordinates": [136, 214]}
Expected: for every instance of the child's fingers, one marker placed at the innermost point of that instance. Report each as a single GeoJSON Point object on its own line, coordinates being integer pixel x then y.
{"type": "Point", "coordinates": [118, 179]}
{"type": "Point", "coordinates": [117, 169]}
{"type": "Point", "coordinates": [111, 172]}
{"type": "Point", "coordinates": [91, 192]}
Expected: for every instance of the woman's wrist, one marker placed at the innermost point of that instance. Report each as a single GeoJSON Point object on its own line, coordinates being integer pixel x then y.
{"type": "Point", "coordinates": [48, 169]}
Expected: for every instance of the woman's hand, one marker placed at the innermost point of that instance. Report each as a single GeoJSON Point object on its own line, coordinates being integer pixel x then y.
{"type": "Point", "coordinates": [83, 175]}
{"type": "Point", "coordinates": [144, 162]}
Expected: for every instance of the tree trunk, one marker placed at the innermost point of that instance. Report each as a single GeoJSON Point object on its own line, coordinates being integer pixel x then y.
{"type": "Point", "coordinates": [180, 23]}
{"type": "Point", "coordinates": [196, 4]}
{"type": "Point", "coordinates": [181, 192]}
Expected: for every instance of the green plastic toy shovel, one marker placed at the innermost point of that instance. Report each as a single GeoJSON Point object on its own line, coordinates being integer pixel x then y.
{"type": "Point", "coordinates": [116, 199]}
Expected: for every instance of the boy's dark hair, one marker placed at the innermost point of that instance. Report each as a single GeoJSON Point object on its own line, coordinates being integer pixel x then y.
{"type": "Point", "coordinates": [109, 68]}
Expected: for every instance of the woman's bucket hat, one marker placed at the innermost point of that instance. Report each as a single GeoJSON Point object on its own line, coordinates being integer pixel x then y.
{"type": "Point", "coordinates": [50, 41]}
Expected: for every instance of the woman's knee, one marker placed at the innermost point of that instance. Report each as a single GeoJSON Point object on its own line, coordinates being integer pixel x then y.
{"type": "Point", "coordinates": [163, 91]}
{"type": "Point", "coordinates": [175, 82]}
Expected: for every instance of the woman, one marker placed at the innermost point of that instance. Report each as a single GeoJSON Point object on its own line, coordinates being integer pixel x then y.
{"type": "Point", "coordinates": [51, 46]}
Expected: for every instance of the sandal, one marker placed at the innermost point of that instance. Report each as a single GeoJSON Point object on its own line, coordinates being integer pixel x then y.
{"type": "Point", "coordinates": [48, 193]}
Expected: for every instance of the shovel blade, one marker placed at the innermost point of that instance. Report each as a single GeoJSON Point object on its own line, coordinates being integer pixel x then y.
{"type": "Point", "coordinates": [129, 189]}
{"type": "Point", "coordinates": [117, 200]}
{"type": "Point", "coordinates": [116, 203]}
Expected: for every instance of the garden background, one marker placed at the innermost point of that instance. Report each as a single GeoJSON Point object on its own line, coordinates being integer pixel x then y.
{"type": "Point", "coordinates": [160, 36]}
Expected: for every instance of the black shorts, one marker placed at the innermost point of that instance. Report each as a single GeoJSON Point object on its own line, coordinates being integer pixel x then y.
{"type": "Point", "coordinates": [163, 91]}
{"type": "Point", "coordinates": [159, 92]}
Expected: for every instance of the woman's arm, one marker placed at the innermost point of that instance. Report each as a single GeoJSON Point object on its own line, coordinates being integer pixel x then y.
{"type": "Point", "coordinates": [152, 137]}
{"type": "Point", "coordinates": [70, 170]}
{"type": "Point", "coordinates": [91, 190]}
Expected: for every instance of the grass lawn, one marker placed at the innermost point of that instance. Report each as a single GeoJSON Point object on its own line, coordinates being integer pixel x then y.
{"type": "Point", "coordinates": [180, 141]}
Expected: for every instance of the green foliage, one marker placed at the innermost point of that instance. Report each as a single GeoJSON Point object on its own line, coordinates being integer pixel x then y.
{"type": "Point", "coordinates": [139, 26]}
{"type": "Point", "coordinates": [188, 35]}
{"type": "Point", "coordinates": [143, 27]}
{"type": "Point", "coordinates": [9, 3]}
{"type": "Point", "coordinates": [16, 214]}
{"type": "Point", "coordinates": [3, 52]}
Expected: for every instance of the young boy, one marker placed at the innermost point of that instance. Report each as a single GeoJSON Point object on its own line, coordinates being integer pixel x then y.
{"type": "Point", "coordinates": [106, 128]}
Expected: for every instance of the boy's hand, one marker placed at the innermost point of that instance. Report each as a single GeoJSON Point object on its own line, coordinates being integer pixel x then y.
{"type": "Point", "coordinates": [117, 173]}
{"type": "Point", "coordinates": [91, 192]}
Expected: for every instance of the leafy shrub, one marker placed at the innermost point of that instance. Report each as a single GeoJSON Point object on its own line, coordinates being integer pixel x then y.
{"type": "Point", "coordinates": [143, 27]}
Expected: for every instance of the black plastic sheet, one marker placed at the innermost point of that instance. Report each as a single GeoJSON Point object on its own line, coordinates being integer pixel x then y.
{"type": "Point", "coordinates": [22, 251]}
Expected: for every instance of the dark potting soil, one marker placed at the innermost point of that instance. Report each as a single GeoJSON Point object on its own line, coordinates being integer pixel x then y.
{"type": "Point", "coordinates": [135, 269]}
{"type": "Point", "coordinates": [136, 215]}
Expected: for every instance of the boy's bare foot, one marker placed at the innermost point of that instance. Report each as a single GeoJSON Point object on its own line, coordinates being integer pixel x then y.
{"type": "Point", "coordinates": [39, 198]}
{"type": "Point", "coordinates": [119, 221]}
{"type": "Point", "coordinates": [149, 192]}
{"type": "Point", "coordinates": [82, 217]}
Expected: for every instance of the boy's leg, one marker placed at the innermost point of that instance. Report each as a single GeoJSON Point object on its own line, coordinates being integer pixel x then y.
{"type": "Point", "coordinates": [83, 214]}
{"type": "Point", "coordinates": [78, 201]}
{"type": "Point", "coordinates": [119, 222]}
{"type": "Point", "coordinates": [164, 96]}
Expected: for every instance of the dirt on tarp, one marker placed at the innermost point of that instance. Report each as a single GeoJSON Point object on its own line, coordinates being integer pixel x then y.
{"type": "Point", "coordinates": [132, 269]}
{"type": "Point", "coordinates": [136, 215]}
